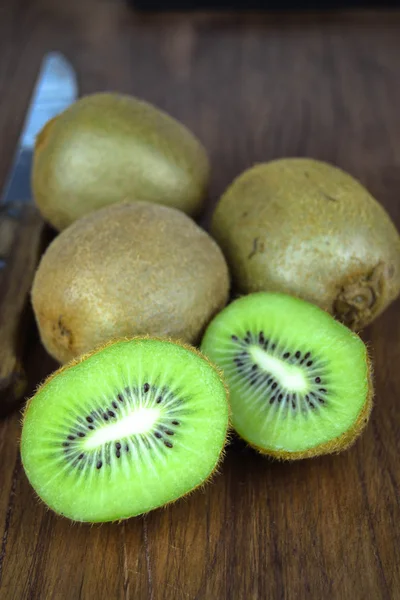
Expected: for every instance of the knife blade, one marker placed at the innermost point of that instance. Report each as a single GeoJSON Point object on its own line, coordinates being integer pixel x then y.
{"type": "Point", "coordinates": [21, 226]}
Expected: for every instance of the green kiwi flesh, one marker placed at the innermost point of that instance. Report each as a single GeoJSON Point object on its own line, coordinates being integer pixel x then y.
{"type": "Point", "coordinates": [299, 381]}
{"type": "Point", "coordinates": [124, 430]}
{"type": "Point", "coordinates": [306, 228]}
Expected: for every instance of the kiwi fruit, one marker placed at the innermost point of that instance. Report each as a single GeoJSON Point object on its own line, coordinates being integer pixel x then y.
{"type": "Point", "coordinates": [308, 229]}
{"type": "Point", "coordinates": [126, 429]}
{"type": "Point", "coordinates": [108, 147]}
{"type": "Point", "coordinates": [299, 381]}
{"type": "Point", "coordinates": [126, 270]}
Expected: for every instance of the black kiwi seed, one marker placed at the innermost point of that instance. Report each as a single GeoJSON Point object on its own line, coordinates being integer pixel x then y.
{"type": "Point", "coordinates": [105, 416]}
{"type": "Point", "coordinates": [309, 363]}
{"type": "Point", "coordinates": [286, 355]}
{"type": "Point", "coordinates": [71, 437]}
{"type": "Point", "coordinates": [261, 337]}
{"type": "Point", "coordinates": [274, 385]}
{"type": "Point", "coordinates": [254, 367]}
{"type": "Point", "coordinates": [111, 413]}
{"type": "Point", "coordinates": [235, 338]}
{"type": "Point", "coordinates": [90, 427]}
{"type": "Point", "coordinates": [298, 354]}
{"type": "Point", "coordinates": [146, 388]}
{"type": "Point", "coordinates": [118, 446]}
{"type": "Point", "coordinates": [127, 447]}
{"type": "Point", "coordinates": [318, 380]}
{"type": "Point", "coordinates": [65, 444]}
{"type": "Point", "coordinates": [158, 434]}
{"type": "Point", "coordinates": [323, 390]}
{"type": "Point", "coordinates": [169, 432]}
{"type": "Point", "coordinates": [99, 464]}
{"type": "Point", "coordinates": [175, 422]}
{"type": "Point", "coordinates": [115, 405]}
{"type": "Point", "coordinates": [80, 456]}
{"type": "Point", "coordinates": [159, 399]}
{"type": "Point", "coordinates": [118, 453]}
{"type": "Point", "coordinates": [81, 434]}
{"type": "Point", "coordinates": [89, 419]}
{"type": "Point", "coordinates": [272, 400]}
{"type": "Point", "coordinates": [120, 398]}
{"type": "Point", "coordinates": [307, 355]}
{"type": "Point", "coordinates": [168, 444]}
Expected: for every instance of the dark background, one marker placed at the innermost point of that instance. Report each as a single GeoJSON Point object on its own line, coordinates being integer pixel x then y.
{"type": "Point", "coordinates": [264, 5]}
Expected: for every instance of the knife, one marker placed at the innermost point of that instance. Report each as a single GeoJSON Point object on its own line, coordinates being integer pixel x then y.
{"type": "Point", "coordinates": [21, 226]}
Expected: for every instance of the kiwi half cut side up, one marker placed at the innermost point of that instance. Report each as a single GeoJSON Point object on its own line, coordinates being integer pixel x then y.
{"type": "Point", "coordinates": [300, 382]}
{"type": "Point", "coordinates": [124, 430]}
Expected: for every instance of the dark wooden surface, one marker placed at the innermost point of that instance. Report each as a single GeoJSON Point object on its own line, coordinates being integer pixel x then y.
{"type": "Point", "coordinates": [252, 88]}
{"type": "Point", "coordinates": [21, 244]}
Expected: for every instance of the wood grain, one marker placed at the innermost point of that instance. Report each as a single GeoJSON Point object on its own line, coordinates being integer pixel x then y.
{"type": "Point", "coordinates": [20, 261]}
{"type": "Point", "coordinates": [252, 88]}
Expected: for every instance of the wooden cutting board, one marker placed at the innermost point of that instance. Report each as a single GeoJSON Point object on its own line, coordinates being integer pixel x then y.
{"type": "Point", "coordinates": [252, 88]}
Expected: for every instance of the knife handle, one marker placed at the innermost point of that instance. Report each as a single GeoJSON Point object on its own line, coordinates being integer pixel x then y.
{"type": "Point", "coordinates": [22, 226]}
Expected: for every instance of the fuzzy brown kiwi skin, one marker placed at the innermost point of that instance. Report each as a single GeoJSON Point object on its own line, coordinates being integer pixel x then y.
{"type": "Point", "coordinates": [127, 270]}
{"type": "Point", "coordinates": [309, 229]}
{"type": "Point", "coordinates": [343, 442]}
{"type": "Point", "coordinates": [75, 361]}
{"type": "Point", "coordinates": [94, 130]}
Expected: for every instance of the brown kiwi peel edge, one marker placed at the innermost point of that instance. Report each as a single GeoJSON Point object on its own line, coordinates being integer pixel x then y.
{"type": "Point", "coordinates": [77, 360]}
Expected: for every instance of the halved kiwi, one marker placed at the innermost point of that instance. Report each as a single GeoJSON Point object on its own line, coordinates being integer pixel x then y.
{"type": "Point", "coordinates": [124, 430]}
{"type": "Point", "coordinates": [300, 382]}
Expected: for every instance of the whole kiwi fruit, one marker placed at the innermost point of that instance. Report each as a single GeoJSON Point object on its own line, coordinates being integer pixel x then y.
{"type": "Point", "coordinates": [128, 269]}
{"type": "Point", "coordinates": [307, 228]}
{"type": "Point", "coordinates": [108, 147]}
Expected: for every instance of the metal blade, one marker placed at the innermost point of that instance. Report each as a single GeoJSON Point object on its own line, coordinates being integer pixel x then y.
{"type": "Point", "coordinates": [56, 88]}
